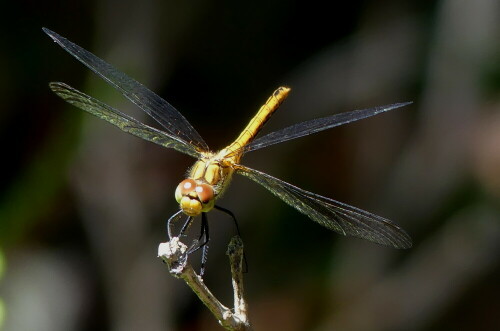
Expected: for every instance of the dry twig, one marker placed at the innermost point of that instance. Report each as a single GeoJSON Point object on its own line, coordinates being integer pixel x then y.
{"type": "Point", "coordinates": [173, 253]}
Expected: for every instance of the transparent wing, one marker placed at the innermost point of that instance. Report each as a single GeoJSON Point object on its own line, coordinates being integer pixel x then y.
{"type": "Point", "coordinates": [156, 107]}
{"type": "Point", "coordinates": [121, 120]}
{"type": "Point", "coordinates": [317, 125]}
{"type": "Point", "coordinates": [337, 216]}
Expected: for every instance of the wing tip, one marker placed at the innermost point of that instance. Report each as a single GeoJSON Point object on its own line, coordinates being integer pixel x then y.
{"type": "Point", "coordinates": [403, 245]}
{"type": "Point", "coordinates": [399, 105]}
{"type": "Point", "coordinates": [401, 241]}
{"type": "Point", "coordinates": [50, 33]}
{"type": "Point", "coordinates": [59, 86]}
{"type": "Point", "coordinates": [406, 244]}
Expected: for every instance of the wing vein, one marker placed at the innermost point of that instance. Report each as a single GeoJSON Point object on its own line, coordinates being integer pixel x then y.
{"type": "Point", "coordinates": [317, 125]}
{"type": "Point", "coordinates": [335, 215]}
{"type": "Point", "coordinates": [123, 121]}
{"type": "Point", "coordinates": [156, 107]}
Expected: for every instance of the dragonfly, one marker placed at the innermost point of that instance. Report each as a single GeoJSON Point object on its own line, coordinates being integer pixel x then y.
{"type": "Point", "coordinates": [211, 174]}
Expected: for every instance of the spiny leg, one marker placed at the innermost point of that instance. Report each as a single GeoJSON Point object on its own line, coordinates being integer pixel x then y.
{"type": "Point", "coordinates": [204, 253]}
{"type": "Point", "coordinates": [199, 243]}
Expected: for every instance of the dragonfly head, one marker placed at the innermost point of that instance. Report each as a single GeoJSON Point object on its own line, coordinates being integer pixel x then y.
{"type": "Point", "coordinates": [194, 198]}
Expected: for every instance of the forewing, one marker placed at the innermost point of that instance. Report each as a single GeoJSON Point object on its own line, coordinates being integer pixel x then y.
{"type": "Point", "coordinates": [337, 216]}
{"type": "Point", "coordinates": [159, 109]}
{"type": "Point", "coordinates": [317, 125]}
{"type": "Point", "coordinates": [121, 120]}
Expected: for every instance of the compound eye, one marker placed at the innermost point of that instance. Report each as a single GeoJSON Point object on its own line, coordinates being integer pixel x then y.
{"type": "Point", "coordinates": [205, 193]}
{"type": "Point", "coordinates": [186, 186]}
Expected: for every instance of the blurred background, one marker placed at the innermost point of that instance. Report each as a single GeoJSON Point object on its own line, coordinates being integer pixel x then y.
{"type": "Point", "coordinates": [83, 206]}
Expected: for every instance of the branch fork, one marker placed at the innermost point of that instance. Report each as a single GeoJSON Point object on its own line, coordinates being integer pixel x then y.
{"type": "Point", "coordinates": [174, 254]}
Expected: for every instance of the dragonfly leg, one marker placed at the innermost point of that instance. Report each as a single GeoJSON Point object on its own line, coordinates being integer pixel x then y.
{"type": "Point", "coordinates": [204, 254]}
{"type": "Point", "coordinates": [186, 225]}
{"type": "Point", "coordinates": [230, 213]}
{"type": "Point", "coordinates": [170, 221]}
{"type": "Point", "coordinates": [201, 242]}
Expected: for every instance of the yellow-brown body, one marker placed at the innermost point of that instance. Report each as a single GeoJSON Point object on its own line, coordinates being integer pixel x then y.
{"type": "Point", "coordinates": [211, 174]}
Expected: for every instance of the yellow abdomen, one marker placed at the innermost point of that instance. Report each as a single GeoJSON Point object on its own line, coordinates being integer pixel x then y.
{"type": "Point", "coordinates": [235, 150]}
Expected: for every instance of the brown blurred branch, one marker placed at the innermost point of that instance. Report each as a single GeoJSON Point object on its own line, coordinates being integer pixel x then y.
{"type": "Point", "coordinates": [173, 253]}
